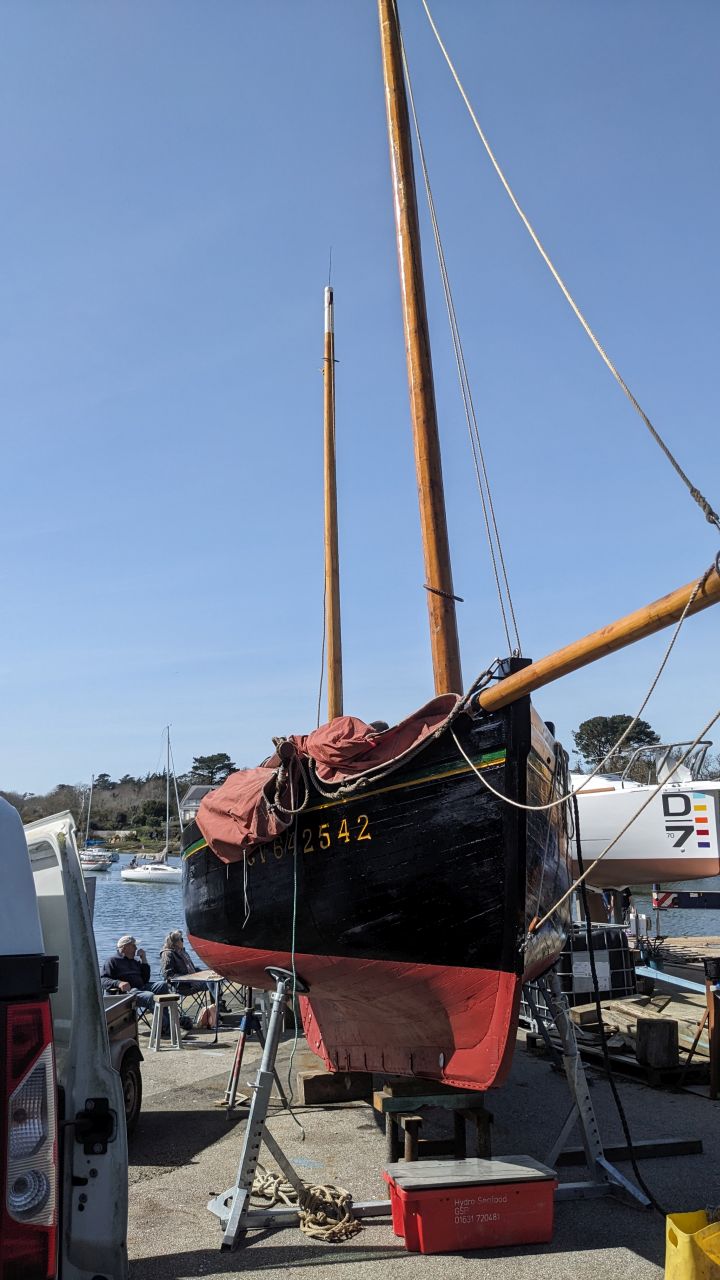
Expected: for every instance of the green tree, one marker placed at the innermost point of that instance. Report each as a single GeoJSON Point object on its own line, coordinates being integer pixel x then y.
{"type": "Point", "coordinates": [151, 813]}
{"type": "Point", "coordinates": [594, 738]}
{"type": "Point", "coordinates": [211, 770]}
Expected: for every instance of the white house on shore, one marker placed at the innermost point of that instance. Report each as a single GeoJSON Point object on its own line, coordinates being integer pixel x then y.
{"type": "Point", "coordinates": [190, 802]}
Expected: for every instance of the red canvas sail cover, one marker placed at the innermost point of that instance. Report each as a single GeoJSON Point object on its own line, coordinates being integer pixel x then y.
{"type": "Point", "coordinates": [255, 805]}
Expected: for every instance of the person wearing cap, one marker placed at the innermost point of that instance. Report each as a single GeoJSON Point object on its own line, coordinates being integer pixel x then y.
{"type": "Point", "coordinates": [129, 971]}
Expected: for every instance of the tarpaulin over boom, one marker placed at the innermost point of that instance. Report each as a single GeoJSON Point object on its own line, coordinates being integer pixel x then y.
{"type": "Point", "coordinates": [257, 805]}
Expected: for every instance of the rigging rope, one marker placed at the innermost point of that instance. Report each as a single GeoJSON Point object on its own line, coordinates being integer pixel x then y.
{"type": "Point", "coordinates": [655, 791]}
{"type": "Point", "coordinates": [710, 515]}
{"type": "Point", "coordinates": [483, 482]}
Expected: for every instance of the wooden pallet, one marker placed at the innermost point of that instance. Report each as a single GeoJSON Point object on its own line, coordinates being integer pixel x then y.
{"type": "Point", "coordinates": [624, 1063]}
{"type": "Point", "coordinates": [620, 1017]}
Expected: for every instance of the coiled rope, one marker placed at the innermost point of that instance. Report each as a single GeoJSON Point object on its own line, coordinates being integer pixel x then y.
{"type": "Point", "coordinates": [709, 513]}
{"type": "Point", "coordinates": [325, 1212]}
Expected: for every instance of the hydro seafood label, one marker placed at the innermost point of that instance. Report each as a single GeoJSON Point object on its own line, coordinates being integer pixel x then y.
{"type": "Point", "coordinates": [691, 821]}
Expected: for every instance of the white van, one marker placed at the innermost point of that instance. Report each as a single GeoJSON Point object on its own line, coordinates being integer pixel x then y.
{"type": "Point", "coordinates": [63, 1145]}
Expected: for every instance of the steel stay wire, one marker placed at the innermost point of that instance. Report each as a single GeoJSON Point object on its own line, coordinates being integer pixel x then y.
{"type": "Point", "coordinates": [710, 515]}
{"type": "Point", "coordinates": [537, 924]}
{"type": "Point", "coordinates": [656, 790]}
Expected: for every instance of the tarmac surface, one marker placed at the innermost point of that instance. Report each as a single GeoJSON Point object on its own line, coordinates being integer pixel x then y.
{"type": "Point", "coordinates": [186, 1149]}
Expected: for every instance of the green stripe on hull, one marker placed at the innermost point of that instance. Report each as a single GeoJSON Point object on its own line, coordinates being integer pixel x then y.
{"type": "Point", "coordinates": [488, 761]}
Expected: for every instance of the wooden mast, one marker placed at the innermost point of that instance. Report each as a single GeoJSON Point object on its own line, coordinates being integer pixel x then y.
{"type": "Point", "coordinates": [438, 573]}
{"type": "Point", "coordinates": [332, 562]}
{"type": "Point", "coordinates": [617, 635]}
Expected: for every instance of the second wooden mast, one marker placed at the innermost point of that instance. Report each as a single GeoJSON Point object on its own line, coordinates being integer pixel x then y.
{"type": "Point", "coordinates": [332, 559]}
{"type": "Point", "coordinates": [438, 573]}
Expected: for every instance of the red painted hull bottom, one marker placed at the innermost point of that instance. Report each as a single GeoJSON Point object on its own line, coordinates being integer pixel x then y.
{"type": "Point", "coordinates": [448, 1024]}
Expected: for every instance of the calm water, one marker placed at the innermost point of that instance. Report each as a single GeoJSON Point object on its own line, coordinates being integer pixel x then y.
{"type": "Point", "coordinates": [149, 911]}
{"type": "Point", "coordinates": [682, 924]}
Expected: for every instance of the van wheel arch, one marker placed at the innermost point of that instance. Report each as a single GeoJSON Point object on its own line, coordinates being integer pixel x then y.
{"type": "Point", "coordinates": [131, 1078]}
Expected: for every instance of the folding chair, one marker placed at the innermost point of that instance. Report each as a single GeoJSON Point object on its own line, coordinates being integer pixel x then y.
{"type": "Point", "coordinates": [191, 1002]}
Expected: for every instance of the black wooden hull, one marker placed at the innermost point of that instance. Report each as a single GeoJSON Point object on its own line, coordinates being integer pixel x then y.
{"type": "Point", "coordinates": [406, 905]}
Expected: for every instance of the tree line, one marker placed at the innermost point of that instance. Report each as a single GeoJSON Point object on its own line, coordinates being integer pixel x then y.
{"type": "Point", "coordinates": [127, 803]}
{"type": "Point", "coordinates": [596, 742]}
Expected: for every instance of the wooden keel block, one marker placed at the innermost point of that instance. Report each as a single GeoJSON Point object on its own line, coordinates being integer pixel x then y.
{"type": "Point", "coordinates": [317, 1088]}
{"type": "Point", "coordinates": [657, 1043]}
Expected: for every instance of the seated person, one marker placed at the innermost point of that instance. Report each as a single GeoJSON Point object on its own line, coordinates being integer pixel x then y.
{"type": "Point", "coordinates": [176, 963]}
{"type": "Point", "coordinates": [130, 971]}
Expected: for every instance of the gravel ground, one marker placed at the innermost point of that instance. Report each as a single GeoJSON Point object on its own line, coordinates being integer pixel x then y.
{"type": "Point", "coordinates": [186, 1148]}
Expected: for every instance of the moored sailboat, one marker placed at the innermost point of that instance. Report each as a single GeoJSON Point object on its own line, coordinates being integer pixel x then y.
{"type": "Point", "coordinates": [157, 870]}
{"type": "Point", "coordinates": [92, 858]}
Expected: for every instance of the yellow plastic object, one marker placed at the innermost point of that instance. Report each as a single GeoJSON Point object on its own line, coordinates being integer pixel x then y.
{"type": "Point", "coordinates": [692, 1247]}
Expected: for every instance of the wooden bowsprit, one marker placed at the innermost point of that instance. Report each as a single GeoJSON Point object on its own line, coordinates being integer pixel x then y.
{"type": "Point", "coordinates": [232, 1207]}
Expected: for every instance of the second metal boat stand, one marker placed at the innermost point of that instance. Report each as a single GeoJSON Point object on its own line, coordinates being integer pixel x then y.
{"type": "Point", "coordinates": [605, 1179]}
{"type": "Point", "coordinates": [232, 1207]}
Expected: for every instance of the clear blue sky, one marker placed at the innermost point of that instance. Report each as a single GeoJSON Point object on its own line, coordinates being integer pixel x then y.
{"type": "Point", "coordinates": [174, 175]}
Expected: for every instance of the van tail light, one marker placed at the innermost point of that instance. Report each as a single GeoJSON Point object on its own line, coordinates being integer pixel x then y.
{"type": "Point", "coordinates": [29, 1147]}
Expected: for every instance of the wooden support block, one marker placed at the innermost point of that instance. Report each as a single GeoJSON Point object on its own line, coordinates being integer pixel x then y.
{"type": "Point", "coordinates": [410, 1087]}
{"type": "Point", "coordinates": [584, 1015]}
{"type": "Point", "coordinates": [317, 1088]}
{"type": "Point", "coordinates": [657, 1043]}
{"type": "Point", "coordinates": [392, 1140]}
{"type": "Point", "coordinates": [482, 1121]}
{"type": "Point", "coordinates": [411, 1125]}
{"type": "Point", "coordinates": [408, 1102]}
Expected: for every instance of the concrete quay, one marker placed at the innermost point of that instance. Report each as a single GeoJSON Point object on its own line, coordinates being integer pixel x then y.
{"type": "Point", "coordinates": [186, 1148]}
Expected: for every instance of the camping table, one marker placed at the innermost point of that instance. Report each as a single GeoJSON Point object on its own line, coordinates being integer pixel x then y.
{"type": "Point", "coordinates": [214, 980]}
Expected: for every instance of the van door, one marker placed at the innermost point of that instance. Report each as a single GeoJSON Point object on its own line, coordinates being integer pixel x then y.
{"type": "Point", "coordinates": [94, 1160]}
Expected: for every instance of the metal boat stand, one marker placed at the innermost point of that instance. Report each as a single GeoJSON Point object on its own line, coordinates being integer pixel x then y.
{"type": "Point", "coordinates": [249, 1025]}
{"type": "Point", "coordinates": [232, 1207]}
{"type": "Point", "coordinates": [605, 1179]}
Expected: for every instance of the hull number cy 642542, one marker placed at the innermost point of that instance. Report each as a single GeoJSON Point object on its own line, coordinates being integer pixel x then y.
{"type": "Point", "coordinates": [324, 836]}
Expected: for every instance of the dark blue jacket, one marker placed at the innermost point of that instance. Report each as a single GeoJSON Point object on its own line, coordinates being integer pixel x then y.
{"type": "Point", "coordinates": [123, 969]}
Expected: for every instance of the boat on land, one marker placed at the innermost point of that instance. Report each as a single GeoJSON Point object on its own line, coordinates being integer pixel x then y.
{"type": "Point", "coordinates": [675, 832]}
{"type": "Point", "coordinates": [157, 870]}
{"type": "Point", "coordinates": [416, 876]}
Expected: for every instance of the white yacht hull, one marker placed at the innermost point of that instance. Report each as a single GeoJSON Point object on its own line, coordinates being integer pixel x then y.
{"type": "Point", "coordinates": [152, 875]}
{"type": "Point", "coordinates": [674, 838]}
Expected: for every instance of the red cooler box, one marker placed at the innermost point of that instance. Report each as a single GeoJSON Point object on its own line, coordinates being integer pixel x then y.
{"type": "Point", "coordinates": [446, 1206]}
